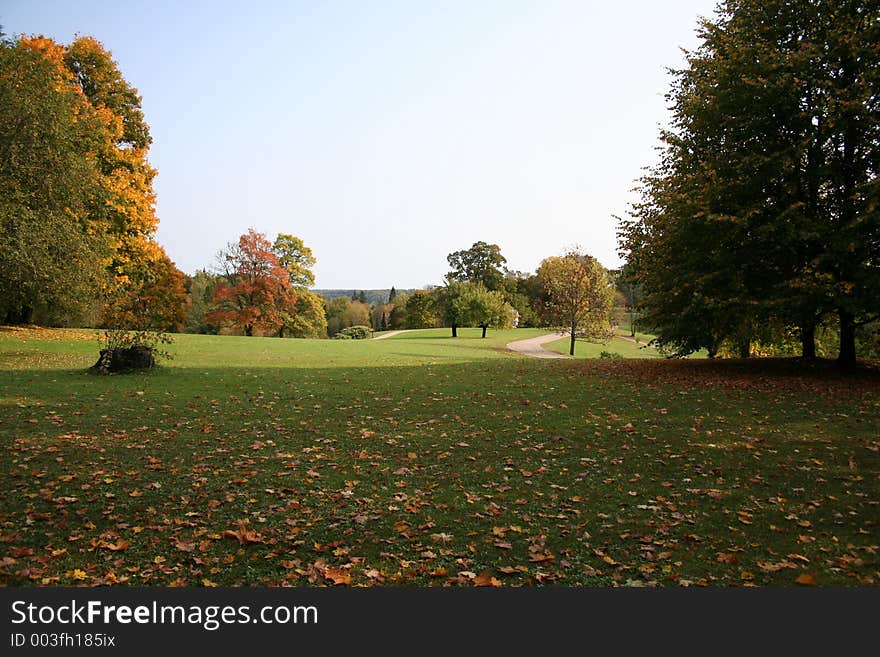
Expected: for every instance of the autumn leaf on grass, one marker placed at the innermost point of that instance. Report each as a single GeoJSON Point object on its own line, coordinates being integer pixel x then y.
{"type": "Point", "coordinates": [118, 545]}
{"type": "Point", "coordinates": [806, 579]}
{"type": "Point", "coordinates": [486, 579]}
{"type": "Point", "coordinates": [538, 557]}
{"type": "Point", "coordinates": [115, 547]}
{"type": "Point", "coordinates": [243, 535]}
{"type": "Point", "coordinates": [771, 567]}
{"type": "Point", "coordinates": [337, 575]}
{"type": "Point", "coordinates": [184, 546]}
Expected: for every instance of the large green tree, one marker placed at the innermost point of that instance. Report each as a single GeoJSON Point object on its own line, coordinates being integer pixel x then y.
{"type": "Point", "coordinates": [764, 205]}
{"type": "Point", "coordinates": [50, 261]}
{"type": "Point", "coordinates": [477, 306]}
{"type": "Point", "coordinates": [482, 263]}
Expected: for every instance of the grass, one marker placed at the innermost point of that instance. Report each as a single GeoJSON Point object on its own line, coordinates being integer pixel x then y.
{"type": "Point", "coordinates": [422, 460]}
{"type": "Point", "coordinates": [617, 345]}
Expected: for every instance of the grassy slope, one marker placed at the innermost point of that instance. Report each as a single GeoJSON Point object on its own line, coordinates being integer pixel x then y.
{"type": "Point", "coordinates": [423, 460]}
{"type": "Point", "coordinates": [625, 348]}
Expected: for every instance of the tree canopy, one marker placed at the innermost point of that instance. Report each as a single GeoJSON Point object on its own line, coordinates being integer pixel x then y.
{"type": "Point", "coordinates": [255, 290]}
{"type": "Point", "coordinates": [481, 263]}
{"type": "Point", "coordinates": [77, 202]}
{"type": "Point", "coordinates": [764, 205]}
{"type": "Point", "coordinates": [579, 295]}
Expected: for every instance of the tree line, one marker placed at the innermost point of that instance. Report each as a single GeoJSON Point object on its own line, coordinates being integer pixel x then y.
{"type": "Point", "coordinates": [258, 287]}
{"type": "Point", "coordinates": [759, 230]}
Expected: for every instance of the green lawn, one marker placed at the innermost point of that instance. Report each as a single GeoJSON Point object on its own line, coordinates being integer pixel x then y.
{"type": "Point", "coordinates": [423, 460]}
{"type": "Point", "coordinates": [617, 345]}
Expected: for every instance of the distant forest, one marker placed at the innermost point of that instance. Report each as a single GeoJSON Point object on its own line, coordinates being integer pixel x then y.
{"type": "Point", "coordinates": [372, 297]}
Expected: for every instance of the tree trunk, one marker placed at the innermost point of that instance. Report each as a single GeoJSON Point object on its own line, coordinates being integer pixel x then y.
{"type": "Point", "coordinates": [846, 358]}
{"type": "Point", "coordinates": [454, 331]}
{"type": "Point", "coordinates": [808, 340]}
{"type": "Point", "coordinates": [484, 327]}
{"type": "Point", "coordinates": [571, 346]}
{"type": "Point", "coordinates": [248, 330]}
{"type": "Point", "coordinates": [745, 348]}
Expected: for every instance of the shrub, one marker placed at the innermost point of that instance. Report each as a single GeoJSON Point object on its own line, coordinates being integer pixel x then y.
{"type": "Point", "coordinates": [353, 333]}
{"type": "Point", "coordinates": [610, 355]}
{"type": "Point", "coordinates": [130, 350]}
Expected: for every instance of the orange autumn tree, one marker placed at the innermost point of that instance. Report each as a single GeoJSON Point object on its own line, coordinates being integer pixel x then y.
{"type": "Point", "coordinates": [158, 301]}
{"type": "Point", "coordinates": [128, 208]}
{"type": "Point", "coordinates": [255, 293]}
{"type": "Point", "coordinates": [120, 211]}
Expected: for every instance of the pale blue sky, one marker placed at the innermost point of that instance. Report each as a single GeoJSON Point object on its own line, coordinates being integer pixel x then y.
{"type": "Point", "coordinates": [387, 134]}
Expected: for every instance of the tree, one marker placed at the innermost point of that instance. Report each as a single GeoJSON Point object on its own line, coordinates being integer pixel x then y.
{"type": "Point", "coordinates": [128, 205]}
{"type": "Point", "coordinates": [420, 310]}
{"type": "Point", "coordinates": [579, 296]}
{"type": "Point", "coordinates": [523, 292]}
{"type": "Point", "coordinates": [763, 208]}
{"type": "Point", "coordinates": [334, 310]}
{"type": "Point", "coordinates": [308, 319]}
{"type": "Point", "coordinates": [296, 258]}
{"type": "Point", "coordinates": [379, 316]}
{"type": "Point", "coordinates": [200, 293]}
{"type": "Point", "coordinates": [479, 264]}
{"type": "Point", "coordinates": [357, 314]}
{"type": "Point", "coordinates": [255, 291]}
{"type": "Point", "coordinates": [477, 306]}
{"type": "Point", "coordinates": [80, 135]}
{"type": "Point", "coordinates": [51, 268]}
{"type": "Point", "coordinates": [157, 303]}
{"type": "Point", "coordinates": [397, 318]}
{"type": "Point", "coordinates": [392, 294]}
{"type": "Point", "coordinates": [450, 311]}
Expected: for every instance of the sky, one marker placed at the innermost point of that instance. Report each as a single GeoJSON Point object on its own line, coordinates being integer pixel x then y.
{"type": "Point", "coordinates": [388, 134]}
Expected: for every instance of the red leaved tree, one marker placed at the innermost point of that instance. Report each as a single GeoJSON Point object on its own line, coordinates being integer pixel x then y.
{"type": "Point", "coordinates": [255, 291]}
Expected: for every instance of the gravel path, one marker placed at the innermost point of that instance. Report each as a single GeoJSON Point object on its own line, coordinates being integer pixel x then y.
{"type": "Point", "coordinates": [532, 347]}
{"type": "Point", "coordinates": [390, 334]}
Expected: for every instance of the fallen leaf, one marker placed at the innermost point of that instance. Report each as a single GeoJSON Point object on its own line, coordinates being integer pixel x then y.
{"type": "Point", "coordinates": [806, 579]}
{"type": "Point", "coordinates": [337, 576]}
{"type": "Point", "coordinates": [486, 579]}
{"type": "Point", "coordinates": [117, 546]}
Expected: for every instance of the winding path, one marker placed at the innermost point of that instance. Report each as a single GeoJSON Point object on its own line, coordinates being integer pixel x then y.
{"type": "Point", "coordinates": [532, 346]}
{"type": "Point", "coordinates": [390, 334]}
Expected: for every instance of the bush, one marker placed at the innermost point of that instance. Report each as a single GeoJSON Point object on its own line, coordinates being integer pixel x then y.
{"type": "Point", "coordinates": [353, 333]}
{"type": "Point", "coordinates": [130, 350]}
{"type": "Point", "coordinates": [610, 355]}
